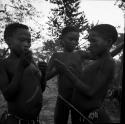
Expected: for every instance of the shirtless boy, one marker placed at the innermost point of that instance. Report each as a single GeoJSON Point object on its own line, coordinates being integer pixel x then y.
{"type": "Point", "coordinates": [69, 40]}
{"type": "Point", "coordinates": [91, 88]}
{"type": "Point", "coordinates": [20, 78]}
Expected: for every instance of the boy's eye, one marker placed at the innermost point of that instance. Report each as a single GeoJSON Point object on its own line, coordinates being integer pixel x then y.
{"type": "Point", "coordinates": [92, 40]}
{"type": "Point", "coordinates": [29, 40]}
{"type": "Point", "coordinates": [25, 40]}
{"type": "Point", "coordinates": [74, 39]}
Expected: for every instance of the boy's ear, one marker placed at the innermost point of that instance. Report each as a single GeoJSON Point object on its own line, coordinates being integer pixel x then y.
{"type": "Point", "coordinates": [8, 41]}
{"type": "Point", "coordinates": [61, 42]}
{"type": "Point", "coordinates": [110, 42]}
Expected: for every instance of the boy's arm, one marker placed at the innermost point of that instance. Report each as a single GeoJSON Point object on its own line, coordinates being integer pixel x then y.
{"type": "Point", "coordinates": [10, 89]}
{"type": "Point", "coordinates": [78, 83]}
{"type": "Point", "coordinates": [42, 67]}
{"type": "Point", "coordinates": [51, 70]}
{"type": "Point", "coordinates": [86, 55]}
{"type": "Point", "coordinates": [101, 78]}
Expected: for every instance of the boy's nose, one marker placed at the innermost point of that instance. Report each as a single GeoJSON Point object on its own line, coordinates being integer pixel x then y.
{"type": "Point", "coordinates": [74, 42]}
{"type": "Point", "coordinates": [27, 46]}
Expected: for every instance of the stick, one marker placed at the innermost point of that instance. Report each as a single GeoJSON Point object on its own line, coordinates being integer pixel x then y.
{"type": "Point", "coordinates": [75, 109]}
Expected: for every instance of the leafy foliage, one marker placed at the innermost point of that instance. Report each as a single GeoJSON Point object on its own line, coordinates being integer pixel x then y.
{"type": "Point", "coordinates": [121, 4]}
{"type": "Point", "coordinates": [65, 13]}
{"type": "Point", "coordinates": [19, 11]}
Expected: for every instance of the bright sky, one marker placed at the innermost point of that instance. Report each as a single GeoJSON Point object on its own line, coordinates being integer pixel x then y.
{"type": "Point", "coordinates": [103, 11]}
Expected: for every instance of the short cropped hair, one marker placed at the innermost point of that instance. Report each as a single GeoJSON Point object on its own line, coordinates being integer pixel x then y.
{"type": "Point", "coordinates": [69, 29]}
{"type": "Point", "coordinates": [107, 31]}
{"type": "Point", "coordinates": [11, 28]}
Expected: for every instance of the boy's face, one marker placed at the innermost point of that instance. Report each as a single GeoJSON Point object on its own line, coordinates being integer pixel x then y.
{"type": "Point", "coordinates": [70, 41]}
{"type": "Point", "coordinates": [98, 45]}
{"type": "Point", "coordinates": [20, 41]}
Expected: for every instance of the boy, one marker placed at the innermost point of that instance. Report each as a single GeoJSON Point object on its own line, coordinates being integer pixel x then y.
{"type": "Point", "coordinates": [69, 41]}
{"type": "Point", "coordinates": [90, 90]}
{"type": "Point", "coordinates": [20, 79]}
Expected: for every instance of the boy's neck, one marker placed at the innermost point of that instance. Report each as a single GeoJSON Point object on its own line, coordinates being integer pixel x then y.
{"type": "Point", "coordinates": [12, 55]}
{"type": "Point", "coordinates": [105, 54]}
{"type": "Point", "coordinates": [66, 51]}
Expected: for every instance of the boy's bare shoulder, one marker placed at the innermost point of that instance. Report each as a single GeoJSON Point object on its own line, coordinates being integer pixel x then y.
{"type": "Point", "coordinates": [110, 61]}
{"type": "Point", "coordinates": [2, 63]}
{"type": "Point", "coordinates": [5, 62]}
{"type": "Point", "coordinates": [108, 64]}
{"type": "Point", "coordinates": [3, 66]}
{"type": "Point", "coordinates": [57, 54]}
{"type": "Point", "coordinates": [3, 75]}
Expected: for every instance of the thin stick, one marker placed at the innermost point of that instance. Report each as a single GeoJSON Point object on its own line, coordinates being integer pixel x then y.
{"type": "Point", "coordinates": [75, 109]}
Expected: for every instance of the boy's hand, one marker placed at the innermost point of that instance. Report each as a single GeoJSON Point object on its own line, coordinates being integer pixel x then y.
{"type": "Point", "coordinates": [74, 70]}
{"type": "Point", "coordinates": [42, 66]}
{"type": "Point", "coordinates": [60, 66]}
{"type": "Point", "coordinates": [71, 68]}
{"type": "Point", "coordinates": [86, 55]}
{"type": "Point", "coordinates": [26, 58]}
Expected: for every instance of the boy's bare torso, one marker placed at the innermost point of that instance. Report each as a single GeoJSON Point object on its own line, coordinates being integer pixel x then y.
{"type": "Point", "coordinates": [94, 70]}
{"type": "Point", "coordinates": [28, 100]}
{"type": "Point", "coordinates": [65, 86]}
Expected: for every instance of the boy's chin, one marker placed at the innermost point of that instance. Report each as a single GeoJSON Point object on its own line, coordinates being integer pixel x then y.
{"type": "Point", "coordinates": [70, 49]}
{"type": "Point", "coordinates": [93, 54]}
{"type": "Point", "coordinates": [16, 53]}
{"type": "Point", "coordinates": [26, 50]}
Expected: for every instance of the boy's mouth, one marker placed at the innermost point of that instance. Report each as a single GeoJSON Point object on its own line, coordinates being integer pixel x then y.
{"type": "Point", "coordinates": [90, 48]}
{"type": "Point", "coordinates": [70, 47]}
{"type": "Point", "coordinates": [26, 49]}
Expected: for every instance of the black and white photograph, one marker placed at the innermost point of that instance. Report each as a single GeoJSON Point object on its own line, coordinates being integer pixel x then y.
{"type": "Point", "coordinates": [61, 61]}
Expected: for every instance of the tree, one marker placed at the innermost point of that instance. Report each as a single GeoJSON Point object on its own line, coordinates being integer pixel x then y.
{"type": "Point", "coordinates": [121, 4]}
{"type": "Point", "coordinates": [65, 13]}
{"type": "Point", "coordinates": [19, 11]}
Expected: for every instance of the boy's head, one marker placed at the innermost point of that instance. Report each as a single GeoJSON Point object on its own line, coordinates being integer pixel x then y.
{"type": "Point", "coordinates": [18, 38]}
{"type": "Point", "coordinates": [101, 38]}
{"type": "Point", "coordinates": [69, 38]}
